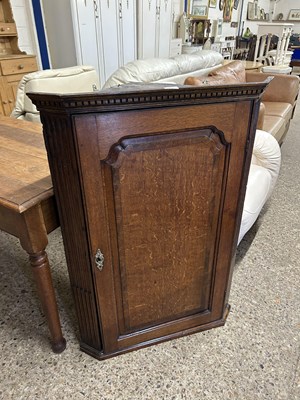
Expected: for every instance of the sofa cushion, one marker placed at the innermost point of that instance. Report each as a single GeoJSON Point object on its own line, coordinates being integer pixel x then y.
{"type": "Point", "coordinates": [179, 79]}
{"type": "Point", "coordinates": [279, 109]}
{"type": "Point", "coordinates": [199, 60]}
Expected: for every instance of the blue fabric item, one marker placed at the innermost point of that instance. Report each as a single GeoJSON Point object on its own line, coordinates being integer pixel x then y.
{"type": "Point", "coordinates": [39, 23]}
{"type": "Point", "coordinates": [296, 54]}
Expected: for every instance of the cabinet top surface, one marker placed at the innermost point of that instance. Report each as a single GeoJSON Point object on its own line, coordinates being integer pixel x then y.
{"type": "Point", "coordinates": [11, 56]}
{"type": "Point", "coordinates": [147, 95]}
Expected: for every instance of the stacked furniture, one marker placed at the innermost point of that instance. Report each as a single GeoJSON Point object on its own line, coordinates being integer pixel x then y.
{"type": "Point", "coordinates": [13, 62]}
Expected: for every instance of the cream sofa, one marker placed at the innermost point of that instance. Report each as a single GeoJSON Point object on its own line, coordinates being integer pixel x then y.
{"type": "Point", "coordinates": [266, 156]}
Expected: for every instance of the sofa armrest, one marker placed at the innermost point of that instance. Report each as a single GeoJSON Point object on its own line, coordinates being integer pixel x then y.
{"type": "Point", "coordinates": [264, 170]}
{"type": "Point", "coordinates": [283, 88]}
{"type": "Point", "coordinates": [267, 154]}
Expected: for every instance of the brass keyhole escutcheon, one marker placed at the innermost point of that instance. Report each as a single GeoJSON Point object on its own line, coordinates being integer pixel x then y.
{"type": "Point", "coordinates": [99, 260]}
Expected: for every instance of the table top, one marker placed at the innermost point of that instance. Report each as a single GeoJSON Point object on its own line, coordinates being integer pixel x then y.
{"type": "Point", "coordinates": [24, 172]}
{"type": "Point", "coordinates": [249, 65]}
{"type": "Point", "coordinates": [252, 65]}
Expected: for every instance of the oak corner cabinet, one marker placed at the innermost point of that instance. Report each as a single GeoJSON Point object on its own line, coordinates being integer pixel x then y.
{"type": "Point", "coordinates": [150, 184]}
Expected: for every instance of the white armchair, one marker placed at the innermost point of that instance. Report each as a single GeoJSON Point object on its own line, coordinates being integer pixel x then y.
{"type": "Point", "coordinates": [65, 80]}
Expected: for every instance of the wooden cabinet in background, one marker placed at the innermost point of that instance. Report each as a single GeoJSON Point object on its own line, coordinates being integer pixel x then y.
{"type": "Point", "coordinates": [13, 62]}
{"type": "Point", "coordinates": [150, 185]}
{"type": "Point", "coordinates": [105, 34]}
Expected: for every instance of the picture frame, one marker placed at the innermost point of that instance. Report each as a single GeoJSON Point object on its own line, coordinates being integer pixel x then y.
{"type": "Point", "coordinates": [198, 8]}
{"type": "Point", "coordinates": [252, 11]}
{"type": "Point", "coordinates": [200, 11]}
{"type": "Point", "coordinates": [236, 4]}
{"type": "Point", "coordinates": [227, 11]}
{"type": "Point", "coordinates": [294, 15]}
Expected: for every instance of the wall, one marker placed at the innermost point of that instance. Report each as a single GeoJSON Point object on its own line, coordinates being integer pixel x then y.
{"type": "Point", "coordinates": [284, 7]}
{"type": "Point", "coordinates": [252, 25]}
{"type": "Point", "coordinates": [58, 24]}
{"type": "Point", "coordinates": [215, 13]}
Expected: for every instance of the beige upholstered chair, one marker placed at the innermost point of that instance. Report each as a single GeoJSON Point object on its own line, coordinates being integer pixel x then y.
{"type": "Point", "coordinates": [65, 80]}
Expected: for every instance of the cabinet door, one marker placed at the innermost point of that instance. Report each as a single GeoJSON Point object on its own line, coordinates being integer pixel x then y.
{"type": "Point", "coordinates": [108, 32]}
{"type": "Point", "coordinates": [147, 14]}
{"type": "Point", "coordinates": [127, 31]}
{"type": "Point", "coordinates": [163, 32]}
{"type": "Point", "coordinates": [154, 28]}
{"type": "Point", "coordinates": [3, 97]}
{"type": "Point", "coordinates": [85, 33]}
{"type": "Point", "coordinates": [9, 86]}
{"type": "Point", "coordinates": [166, 243]}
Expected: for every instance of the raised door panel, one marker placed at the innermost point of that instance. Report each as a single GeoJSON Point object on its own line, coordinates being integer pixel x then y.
{"type": "Point", "coordinates": [166, 229]}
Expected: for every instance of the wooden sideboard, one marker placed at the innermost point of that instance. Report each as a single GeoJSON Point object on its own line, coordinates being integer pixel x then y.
{"type": "Point", "coordinates": [150, 184]}
{"type": "Point", "coordinates": [13, 62]}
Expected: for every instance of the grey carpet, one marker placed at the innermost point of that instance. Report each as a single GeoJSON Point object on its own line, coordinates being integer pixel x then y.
{"type": "Point", "coordinates": [255, 356]}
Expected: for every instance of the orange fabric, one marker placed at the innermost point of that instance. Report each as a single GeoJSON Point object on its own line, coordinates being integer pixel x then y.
{"type": "Point", "coordinates": [231, 73]}
{"type": "Point", "coordinates": [234, 72]}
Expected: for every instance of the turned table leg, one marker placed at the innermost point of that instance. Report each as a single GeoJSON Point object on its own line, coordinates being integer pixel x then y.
{"type": "Point", "coordinates": [34, 240]}
{"type": "Point", "coordinates": [41, 271]}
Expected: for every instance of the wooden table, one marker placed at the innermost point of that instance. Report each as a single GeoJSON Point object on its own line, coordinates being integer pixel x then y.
{"type": "Point", "coordinates": [249, 65]}
{"type": "Point", "coordinates": [27, 207]}
{"type": "Point", "coordinates": [252, 65]}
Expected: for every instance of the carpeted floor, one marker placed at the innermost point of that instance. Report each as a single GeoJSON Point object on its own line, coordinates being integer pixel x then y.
{"type": "Point", "coordinates": [254, 356]}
